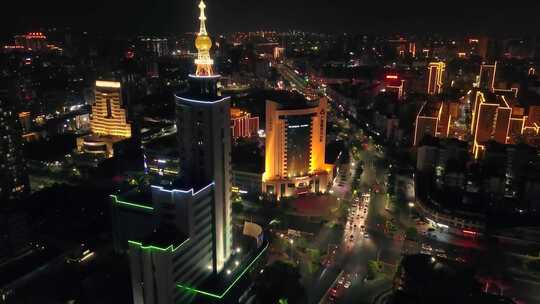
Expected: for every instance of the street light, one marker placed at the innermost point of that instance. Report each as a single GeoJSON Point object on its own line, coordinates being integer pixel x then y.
{"type": "Point", "coordinates": [291, 241]}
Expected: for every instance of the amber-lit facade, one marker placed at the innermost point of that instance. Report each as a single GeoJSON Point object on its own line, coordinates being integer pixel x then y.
{"type": "Point", "coordinates": [435, 119]}
{"type": "Point", "coordinates": [242, 124]}
{"type": "Point", "coordinates": [490, 121]}
{"type": "Point", "coordinates": [108, 123]}
{"type": "Point", "coordinates": [494, 116]}
{"type": "Point", "coordinates": [435, 77]}
{"type": "Point", "coordinates": [486, 79]}
{"type": "Point", "coordinates": [108, 116]}
{"type": "Point", "coordinates": [295, 149]}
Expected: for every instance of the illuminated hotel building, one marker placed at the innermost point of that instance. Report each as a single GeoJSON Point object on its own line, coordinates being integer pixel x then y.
{"type": "Point", "coordinates": [108, 116]}
{"type": "Point", "coordinates": [182, 239]}
{"type": "Point", "coordinates": [435, 77]}
{"type": "Point", "coordinates": [108, 123]}
{"type": "Point", "coordinates": [243, 125]}
{"type": "Point", "coordinates": [32, 41]}
{"type": "Point", "coordinates": [295, 148]}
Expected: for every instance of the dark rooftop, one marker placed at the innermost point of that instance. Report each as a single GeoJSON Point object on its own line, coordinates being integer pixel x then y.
{"type": "Point", "coordinates": [181, 184]}
{"type": "Point", "coordinates": [247, 157]}
{"type": "Point", "coordinates": [429, 141]}
{"type": "Point", "coordinates": [425, 279]}
{"type": "Point", "coordinates": [164, 237]}
{"type": "Point", "coordinates": [290, 100]}
{"type": "Point", "coordinates": [136, 196]}
{"type": "Point", "coordinates": [164, 145]}
{"type": "Point", "coordinates": [430, 109]}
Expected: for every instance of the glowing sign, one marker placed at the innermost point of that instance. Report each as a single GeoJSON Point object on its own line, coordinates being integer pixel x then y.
{"type": "Point", "coordinates": [108, 84]}
{"type": "Point", "coordinates": [298, 126]}
{"type": "Point", "coordinates": [391, 77]}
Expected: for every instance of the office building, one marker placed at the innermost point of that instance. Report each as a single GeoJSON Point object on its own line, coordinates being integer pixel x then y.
{"type": "Point", "coordinates": [295, 147]}
{"type": "Point", "coordinates": [486, 79]}
{"type": "Point", "coordinates": [156, 47]}
{"type": "Point", "coordinates": [490, 120]}
{"type": "Point", "coordinates": [108, 124]}
{"type": "Point", "coordinates": [395, 84]}
{"type": "Point", "coordinates": [486, 82]}
{"type": "Point", "coordinates": [14, 182]}
{"type": "Point", "coordinates": [487, 113]}
{"type": "Point", "coordinates": [435, 77]}
{"type": "Point", "coordinates": [434, 119]}
{"type": "Point", "coordinates": [243, 125]}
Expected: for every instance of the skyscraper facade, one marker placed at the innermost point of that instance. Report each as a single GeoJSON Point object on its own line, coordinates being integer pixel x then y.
{"type": "Point", "coordinates": [435, 77]}
{"type": "Point", "coordinates": [486, 79]}
{"type": "Point", "coordinates": [13, 175]}
{"type": "Point", "coordinates": [183, 237]}
{"type": "Point", "coordinates": [204, 137]}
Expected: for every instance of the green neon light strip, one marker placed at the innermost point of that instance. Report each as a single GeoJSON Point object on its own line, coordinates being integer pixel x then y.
{"type": "Point", "coordinates": [151, 247]}
{"type": "Point", "coordinates": [119, 202]}
{"type": "Point", "coordinates": [224, 293]}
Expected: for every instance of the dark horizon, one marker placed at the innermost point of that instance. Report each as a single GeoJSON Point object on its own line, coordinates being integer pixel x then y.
{"type": "Point", "coordinates": [166, 17]}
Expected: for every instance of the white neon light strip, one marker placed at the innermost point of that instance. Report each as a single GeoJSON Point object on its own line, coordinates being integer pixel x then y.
{"type": "Point", "coordinates": [202, 101]}
{"type": "Point", "coordinates": [202, 76]}
{"type": "Point", "coordinates": [184, 191]}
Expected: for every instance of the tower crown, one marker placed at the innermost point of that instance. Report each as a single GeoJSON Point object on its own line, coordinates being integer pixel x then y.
{"type": "Point", "coordinates": [203, 43]}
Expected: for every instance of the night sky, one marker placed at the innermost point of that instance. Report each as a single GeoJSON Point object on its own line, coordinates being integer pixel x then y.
{"type": "Point", "coordinates": [355, 16]}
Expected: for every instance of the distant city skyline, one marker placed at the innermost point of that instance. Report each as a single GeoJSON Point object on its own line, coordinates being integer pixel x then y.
{"type": "Point", "coordinates": [173, 16]}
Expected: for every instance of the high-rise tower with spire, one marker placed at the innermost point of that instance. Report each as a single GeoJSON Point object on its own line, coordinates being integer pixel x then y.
{"type": "Point", "coordinates": [204, 137]}
{"type": "Point", "coordinates": [183, 238]}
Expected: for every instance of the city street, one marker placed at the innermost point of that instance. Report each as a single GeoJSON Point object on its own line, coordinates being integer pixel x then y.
{"type": "Point", "coordinates": [350, 263]}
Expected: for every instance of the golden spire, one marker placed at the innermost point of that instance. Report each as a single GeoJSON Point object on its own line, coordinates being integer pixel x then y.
{"type": "Point", "coordinates": [202, 18]}
{"type": "Point", "coordinates": [203, 43]}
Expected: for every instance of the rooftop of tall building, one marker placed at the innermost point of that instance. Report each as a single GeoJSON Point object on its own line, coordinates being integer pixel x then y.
{"type": "Point", "coordinates": [430, 109]}
{"type": "Point", "coordinates": [164, 237]}
{"type": "Point", "coordinates": [290, 100]}
{"type": "Point", "coordinates": [182, 184]}
{"type": "Point", "coordinates": [164, 145]}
